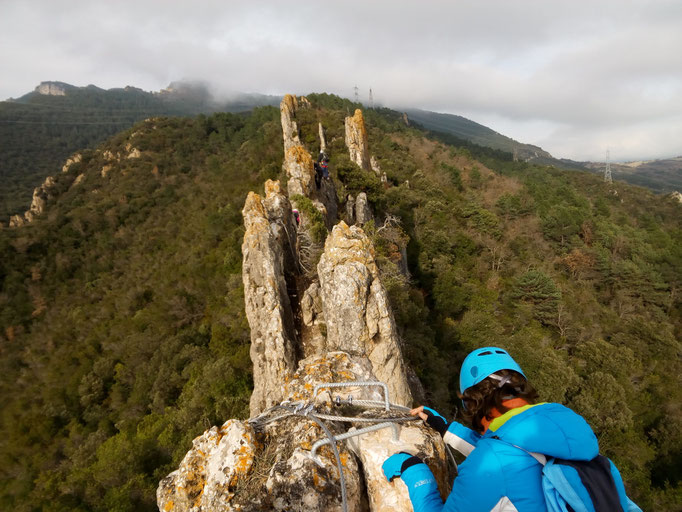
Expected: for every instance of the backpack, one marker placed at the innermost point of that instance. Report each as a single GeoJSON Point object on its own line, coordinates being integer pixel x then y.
{"type": "Point", "coordinates": [583, 486]}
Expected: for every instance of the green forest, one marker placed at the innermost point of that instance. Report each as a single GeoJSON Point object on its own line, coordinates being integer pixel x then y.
{"type": "Point", "coordinates": [39, 132]}
{"type": "Point", "coordinates": [122, 326]}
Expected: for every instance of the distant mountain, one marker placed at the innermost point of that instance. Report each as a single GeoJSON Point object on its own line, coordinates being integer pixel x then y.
{"type": "Point", "coordinates": [482, 135]}
{"type": "Point", "coordinates": [663, 176]}
{"type": "Point", "coordinates": [39, 130]}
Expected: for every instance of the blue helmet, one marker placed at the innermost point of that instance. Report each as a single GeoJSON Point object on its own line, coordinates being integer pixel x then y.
{"type": "Point", "coordinates": [482, 363]}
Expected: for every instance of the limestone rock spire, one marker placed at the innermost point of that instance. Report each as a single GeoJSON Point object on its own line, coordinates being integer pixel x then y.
{"type": "Point", "coordinates": [268, 309]}
{"type": "Point", "coordinates": [356, 309]}
{"type": "Point", "coordinates": [356, 140]}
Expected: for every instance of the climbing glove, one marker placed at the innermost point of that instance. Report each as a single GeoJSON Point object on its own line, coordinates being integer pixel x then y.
{"type": "Point", "coordinates": [436, 421]}
{"type": "Point", "coordinates": [397, 463]}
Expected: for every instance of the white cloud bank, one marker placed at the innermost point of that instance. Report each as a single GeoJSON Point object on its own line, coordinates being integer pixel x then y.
{"type": "Point", "coordinates": [575, 77]}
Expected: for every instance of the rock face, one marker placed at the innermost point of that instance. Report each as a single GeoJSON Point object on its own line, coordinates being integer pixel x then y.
{"type": "Point", "coordinates": [308, 329]}
{"type": "Point", "coordinates": [51, 89]}
{"type": "Point", "coordinates": [73, 159]}
{"type": "Point", "coordinates": [208, 474]}
{"type": "Point", "coordinates": [363, 214]}
{"type": "Point", "coordinates": [261, 465]}
{"type": "Point", "coordinates": [268, 309]}
{"type": "Point", "coordinates": [356, 309]}
{"type": "Point", "coordinates": [312, 321]}
{"type": "Point", "coordinates": [323, 139]}
{"type": "Point", "coordinates": [298, 163]}
{"type": "Point", "coordinates": [374, 448]}
{"type": "Point", "coordinates": [356, 140]}
{"type": "Point", "coordinates": [374, 164]}
{"type": "Point", "coordinates": [16, 221]}
{"type": "Point", "coordinates": [287, 109]}
{"type": "Point", "coordinates": [39, 200]}
{"type": "Point", "coordinates": [350, 210]}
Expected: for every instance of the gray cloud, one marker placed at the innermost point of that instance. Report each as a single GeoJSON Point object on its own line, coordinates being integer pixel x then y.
{"type": "Point", "coordinates": [575, 76]}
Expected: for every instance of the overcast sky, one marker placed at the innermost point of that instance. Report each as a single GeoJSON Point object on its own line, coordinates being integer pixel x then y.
{"type": "Point", "coordinates": [575, 77]}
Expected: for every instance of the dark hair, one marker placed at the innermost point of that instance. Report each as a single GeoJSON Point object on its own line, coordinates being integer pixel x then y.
{"type": "Point", "coordinates": [481, 399]}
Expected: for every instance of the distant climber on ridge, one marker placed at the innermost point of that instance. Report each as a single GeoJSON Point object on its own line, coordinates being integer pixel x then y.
{"type": "Point", "coordinates": [321, 168]}
{"type": "Point", "coordinates": [515, 451]}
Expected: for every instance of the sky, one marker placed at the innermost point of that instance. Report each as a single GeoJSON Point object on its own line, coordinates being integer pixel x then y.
{"type": "Point", "coordinates": [576, 77]}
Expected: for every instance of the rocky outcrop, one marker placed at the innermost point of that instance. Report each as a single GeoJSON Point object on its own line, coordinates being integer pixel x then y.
{"type": "Point", "coordinates": [323, 139]}
{"type": "Point", "coordinates": [356, 140]}
{"type": "Point", "coordinates": [374, 164]}
{"type": "Point", "coordinates": [676, 196]}
{"type": "Point", "coordinates": [207, 476]}
{"type": "Point", "coordinates": [52, 88]}
{"type": "Point", "coordinates": [363, 214]}
{"type": "Point", "coordinates": [356, 309]}
{"type": "Point", "coordinates": [39, 201]}
{"type": "Point", "coordinates": [16, 221]}
{"type": "Point", "coordinates": [73, 159]}
{"type": "Point", "coordinates": [298, 165]}
{"type": "Point", "coordinates": [267, 464]}
{"type": "Point", "coordinates": [374, 448]}
{"type": "Point", "coordinates": [350, 210]}
{"type": "Point", "coordinates": [312, 321]}
{"type": "Point", "coordinates": [268, 309]}
{"type": "Point", "coordinates": [287, 109]}
{"type": "Point", "coordinates": [307, 329]}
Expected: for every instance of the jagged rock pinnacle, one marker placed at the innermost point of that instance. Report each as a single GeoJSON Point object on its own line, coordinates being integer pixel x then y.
{"type": "Point", "coordinates": [356, 140]}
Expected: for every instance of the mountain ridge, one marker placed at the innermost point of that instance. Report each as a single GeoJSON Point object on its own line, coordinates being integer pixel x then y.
{"type": "Point", "coordinates": [122, 323]}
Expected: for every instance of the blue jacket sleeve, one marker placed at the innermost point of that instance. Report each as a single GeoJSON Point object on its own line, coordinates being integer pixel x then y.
{"type": "Point", "coordinates": [480, 484]}
{"type": "Point", "coordinates": [462, 439]}
{"type": "Point", "coordinates": [423, 489]}
{"type": "Point", "coordinates": [478, 488]}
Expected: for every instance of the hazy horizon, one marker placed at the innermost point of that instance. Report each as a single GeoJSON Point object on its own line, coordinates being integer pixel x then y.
{"type": "Point", "coordinates": [573, 77]}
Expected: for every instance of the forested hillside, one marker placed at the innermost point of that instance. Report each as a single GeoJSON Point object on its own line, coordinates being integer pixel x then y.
{"type": "Point", "coordinates": [123, 335]}
{"type": "Point", "coordinates": [38, 132]}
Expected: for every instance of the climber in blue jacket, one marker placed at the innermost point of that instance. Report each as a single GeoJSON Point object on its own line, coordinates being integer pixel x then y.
{"type": "Point", "coordinates": [506, 451]}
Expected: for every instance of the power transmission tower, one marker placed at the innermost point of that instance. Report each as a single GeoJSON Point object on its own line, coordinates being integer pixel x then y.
{"type": "Point", "coordinates": [357, 95]}
{"type": "Point", "coordinates": [607, 170]}
{"type": "Point", "coordinates": [371, 99]}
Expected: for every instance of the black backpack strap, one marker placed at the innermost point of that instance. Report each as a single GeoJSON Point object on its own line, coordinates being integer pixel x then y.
{"type": "Point", "coordinates": [597, 478]}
